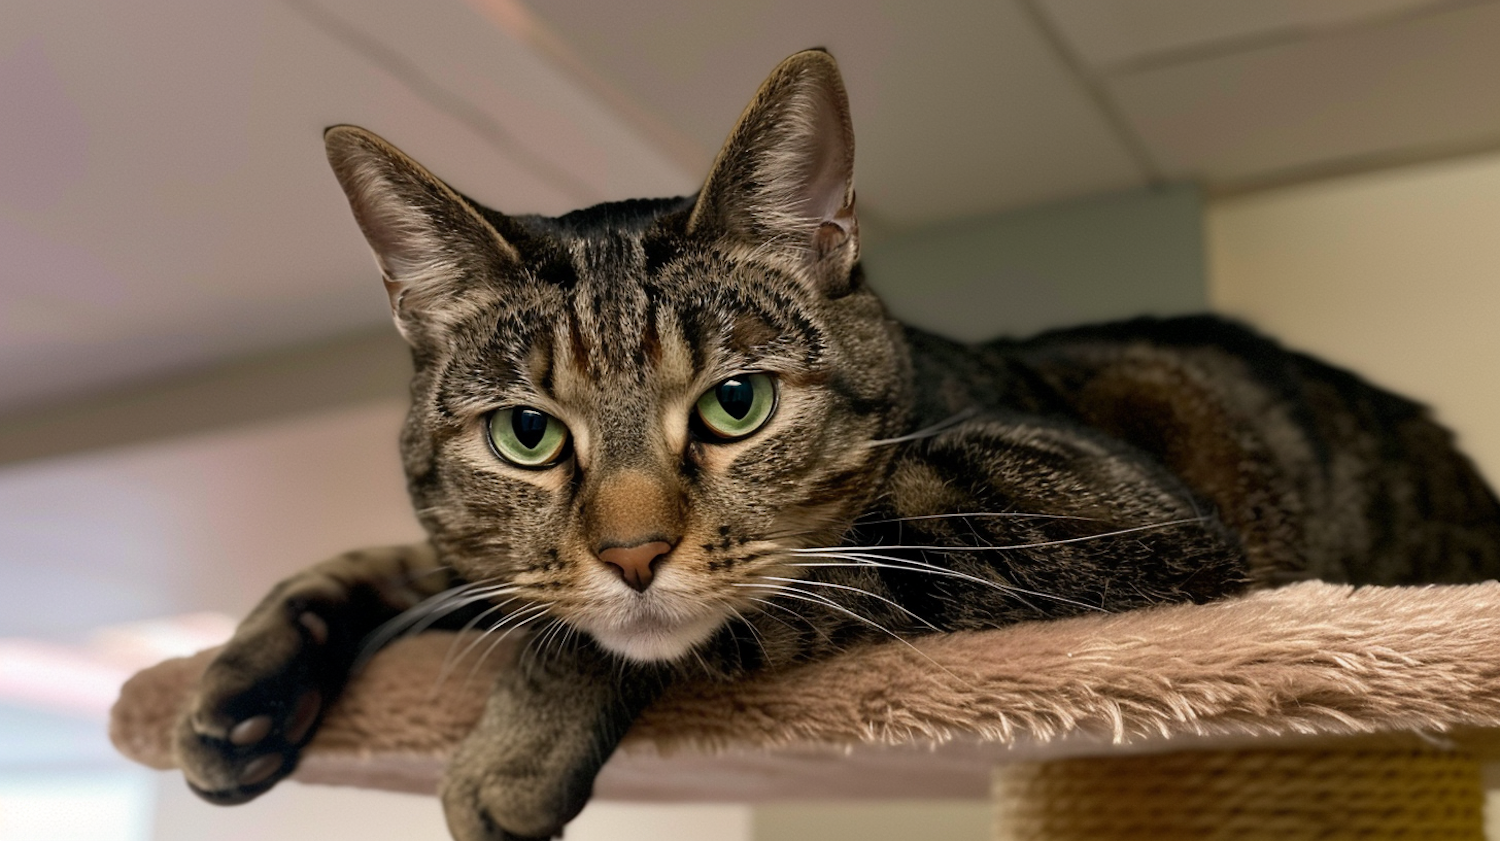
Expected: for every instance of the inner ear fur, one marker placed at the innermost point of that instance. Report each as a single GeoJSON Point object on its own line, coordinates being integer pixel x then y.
{"type": "Point", "coordinates": [431, 245]}
{"type": "Point", "coordinates": [784, 179]}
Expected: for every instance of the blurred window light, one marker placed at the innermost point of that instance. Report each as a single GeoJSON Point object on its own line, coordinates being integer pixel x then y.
{"type": "Point", "coordinates": [84, 680]}
{"type": "Point", "coordinates": [59, 778]}
{"type": "Point", "coordinates": [77, 806]}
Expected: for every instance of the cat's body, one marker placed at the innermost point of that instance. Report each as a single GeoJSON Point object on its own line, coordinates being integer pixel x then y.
{"type": "Point", "coordinates": [1318, 473]}
{"type": "Point", "coordinates": [681, 436]}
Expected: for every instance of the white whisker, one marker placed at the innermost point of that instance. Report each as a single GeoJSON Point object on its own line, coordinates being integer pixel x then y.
{"type": "Point", "coordinates": [852, 590]}
{"type": "Point", "coordinates": [910, 565]}
{"type": "Point", "coordinates": [422, 615]}
{"type": "Point", "coordinates": [806, 621]}
{"type": "Point", "coordinates": [537, 645]}
{"type": "Point", "coordinates": [927, 431]}
{"type": "Point", "coordinates": [1036, 545]}
{"type": "Point", "coordinates": [1009, 515]}
{"type": "Point", "coordinates": [536, 611]}
{"type": "Point", "coordinates": [449, 661]}
{"type": "Point", "coordinates": [802, 595]}
{"type": "Point", "coordinates": [749, 626]}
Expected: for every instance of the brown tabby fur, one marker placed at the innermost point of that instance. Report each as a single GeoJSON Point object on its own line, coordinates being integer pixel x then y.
{"type": "Point", "coordinates": [904, 484]}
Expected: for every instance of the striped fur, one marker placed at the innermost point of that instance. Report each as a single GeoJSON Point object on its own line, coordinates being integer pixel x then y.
{"type": "Point", "coordinates": [903, 485]}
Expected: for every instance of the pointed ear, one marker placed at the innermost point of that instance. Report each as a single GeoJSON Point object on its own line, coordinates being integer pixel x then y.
{"type": "Point", "coordinates": [432, 246]}
{"type": "Point", "coordinates": [785, 178]}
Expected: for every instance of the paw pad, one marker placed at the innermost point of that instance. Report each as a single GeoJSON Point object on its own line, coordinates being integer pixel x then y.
{"type": "Point", "coordinates": [317, 626]}
{"type": "Point", "coordinates": [260, 769]}
{"type": "Point", "coordinates": [304, 716]}
{"type": "Point", "coordinates": [250, 731]}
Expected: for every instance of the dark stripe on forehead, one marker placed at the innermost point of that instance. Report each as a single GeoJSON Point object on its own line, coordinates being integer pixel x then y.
{"type": "Point", "coordinates": [552, 266]}
{"type": "Point", "coordinates": [650, 349]}
{"type": "Point", "coordinates": [744, 321]}
{"type": "Point", "coordinates": [542, 359]}
{"type": "Point", "coordinates": [578, 347]}
{"type": "Point", "coordinates": [661, 246]}
{"type": "Point", "coordinates": [789, 317]}
{"type": "Point", "coordinates": [751, 330]}
{"type": "Point", "coordinates": [605, 258]}
{"type": "Point", "coordinates": [605, 329]}
{"type": "Point", "coordinates": [698, 330]}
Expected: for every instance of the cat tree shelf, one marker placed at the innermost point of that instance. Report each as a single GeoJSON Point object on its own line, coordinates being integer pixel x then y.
{"type": "Point", "coordinates": [1311, 683]}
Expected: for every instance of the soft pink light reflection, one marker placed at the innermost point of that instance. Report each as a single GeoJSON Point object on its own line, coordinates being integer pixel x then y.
{"type": "Point", "coordinates": [84, 680]}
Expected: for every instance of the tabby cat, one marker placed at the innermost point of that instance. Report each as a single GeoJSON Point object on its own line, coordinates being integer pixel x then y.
{"type": "Point", "coordinates": [682, 436]}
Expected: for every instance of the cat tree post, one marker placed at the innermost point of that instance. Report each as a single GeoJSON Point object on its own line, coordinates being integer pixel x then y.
{"type": "Point", "coordinates": [1313, 711]}
{"type": "Point", "coordinates": [1370, 794]}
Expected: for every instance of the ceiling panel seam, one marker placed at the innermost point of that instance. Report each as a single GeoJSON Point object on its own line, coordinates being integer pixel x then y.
{"type": "Point", "coordinates": [1097, 93]}
{"type": "Point", "coordinates": [1283, 36]}
{"type": "Point", "coordinates": [399, 67]}
{"type": "Point", "coordinates": [521, 24]}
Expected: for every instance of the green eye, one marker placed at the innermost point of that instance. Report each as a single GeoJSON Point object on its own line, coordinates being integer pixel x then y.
{"type": "Point", "coordinates": [526, 437]}
{"type": "Point", "coordinates": [736, 407]}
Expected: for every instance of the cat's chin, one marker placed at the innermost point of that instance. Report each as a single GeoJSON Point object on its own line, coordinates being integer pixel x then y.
{"type": "Point", "coordinates": [652, 640]}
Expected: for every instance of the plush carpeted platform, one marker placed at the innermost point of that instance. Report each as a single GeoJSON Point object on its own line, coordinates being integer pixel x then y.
{"type": "Point", "coordinates": [932, 718]}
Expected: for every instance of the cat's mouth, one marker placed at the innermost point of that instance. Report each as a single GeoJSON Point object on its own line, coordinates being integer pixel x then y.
{"type": "Point", "coordinates": [651, 629]}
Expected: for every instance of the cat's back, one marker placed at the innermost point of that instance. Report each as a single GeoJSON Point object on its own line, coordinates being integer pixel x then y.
{"type": "Point", "coordinates": [1321, 473]}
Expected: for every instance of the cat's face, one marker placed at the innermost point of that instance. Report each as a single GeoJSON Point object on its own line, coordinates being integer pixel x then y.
{"type": "Point", "coordinates": [627, 414]}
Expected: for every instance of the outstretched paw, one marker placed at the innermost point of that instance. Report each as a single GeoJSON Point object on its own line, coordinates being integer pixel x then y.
{"type": "Point", "coordinates": [258, 704]}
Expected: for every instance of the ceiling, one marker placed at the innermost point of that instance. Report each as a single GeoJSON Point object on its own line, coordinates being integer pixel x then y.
{"type": "Point", "coordinates": [164, 204]}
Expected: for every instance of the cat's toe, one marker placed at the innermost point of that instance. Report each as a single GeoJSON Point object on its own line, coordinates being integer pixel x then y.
{"type": "Point", "coordinates": [478, 825]}
{"type": "Point", "coordinates": [241, 781]}
{"type": "Point", "coordinates": [494, 832]}
{"type": "Point", "coordinates": [471, 808]}
{"type": "Point", "coordinates": [229, 763]}
{"type": "Point", "coordinates": [226, 772]}
{"type": "Point", "coordinates": [250, 731]}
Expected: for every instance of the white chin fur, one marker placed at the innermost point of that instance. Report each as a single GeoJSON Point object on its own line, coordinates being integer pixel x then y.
{"type": "Point", "coordinates": [650, 642]}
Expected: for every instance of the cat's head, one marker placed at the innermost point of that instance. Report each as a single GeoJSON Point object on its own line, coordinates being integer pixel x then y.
{"type": "Point", "coordinates": [626, 413]}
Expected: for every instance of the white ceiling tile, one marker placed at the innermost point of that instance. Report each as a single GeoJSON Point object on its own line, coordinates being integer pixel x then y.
{"type": "Point", "coordinates": [165, 204]}
{"type": "Point", "coordinates": [169, 206]}
{"type": "Point", "coordinates": [1107, 33]}
{"type": "Point", "coordinates": [1427, 82]}
{"type": "Point", "coordinates": [960, 107]}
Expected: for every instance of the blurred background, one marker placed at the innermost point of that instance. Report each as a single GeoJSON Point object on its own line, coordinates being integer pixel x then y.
{"type": "Point", "coordinates": [200, 388]}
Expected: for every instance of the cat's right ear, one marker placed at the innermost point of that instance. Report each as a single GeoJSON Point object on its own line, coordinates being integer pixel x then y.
{"type": "Point", "coordinates": [430, 243]}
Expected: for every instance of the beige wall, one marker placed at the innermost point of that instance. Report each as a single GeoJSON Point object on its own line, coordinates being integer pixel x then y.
{"type": "Point", "coordinates": [1395, 274]}
{"type": "Point", "coordinates": [1012, 274]}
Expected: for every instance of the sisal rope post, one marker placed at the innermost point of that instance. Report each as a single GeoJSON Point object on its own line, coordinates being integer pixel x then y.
{"type": "Point", "coordinates": [1247, 795]}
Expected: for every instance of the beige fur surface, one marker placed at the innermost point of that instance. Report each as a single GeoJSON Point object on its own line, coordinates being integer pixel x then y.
{"type": "Point", "coordinates": [929, 718]}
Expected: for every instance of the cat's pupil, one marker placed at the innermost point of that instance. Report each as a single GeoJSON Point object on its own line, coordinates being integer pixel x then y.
{"type": "Point", "coordinates": [736, 397]}
{"type": "Point", "coordinates": [529, 425]}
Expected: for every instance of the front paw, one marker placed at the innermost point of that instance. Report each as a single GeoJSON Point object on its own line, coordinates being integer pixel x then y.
{"type": "Point", "coordinates": [257, 704]}
{"type": "Point", "coordinates": [528, 803]}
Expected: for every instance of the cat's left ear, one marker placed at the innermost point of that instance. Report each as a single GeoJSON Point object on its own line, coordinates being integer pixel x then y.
{"type": "Point", "coordinates": [784, 180]}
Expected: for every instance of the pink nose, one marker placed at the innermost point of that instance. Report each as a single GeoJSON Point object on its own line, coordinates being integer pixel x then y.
{"type": "Point", "coordinates": [635, 562]}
